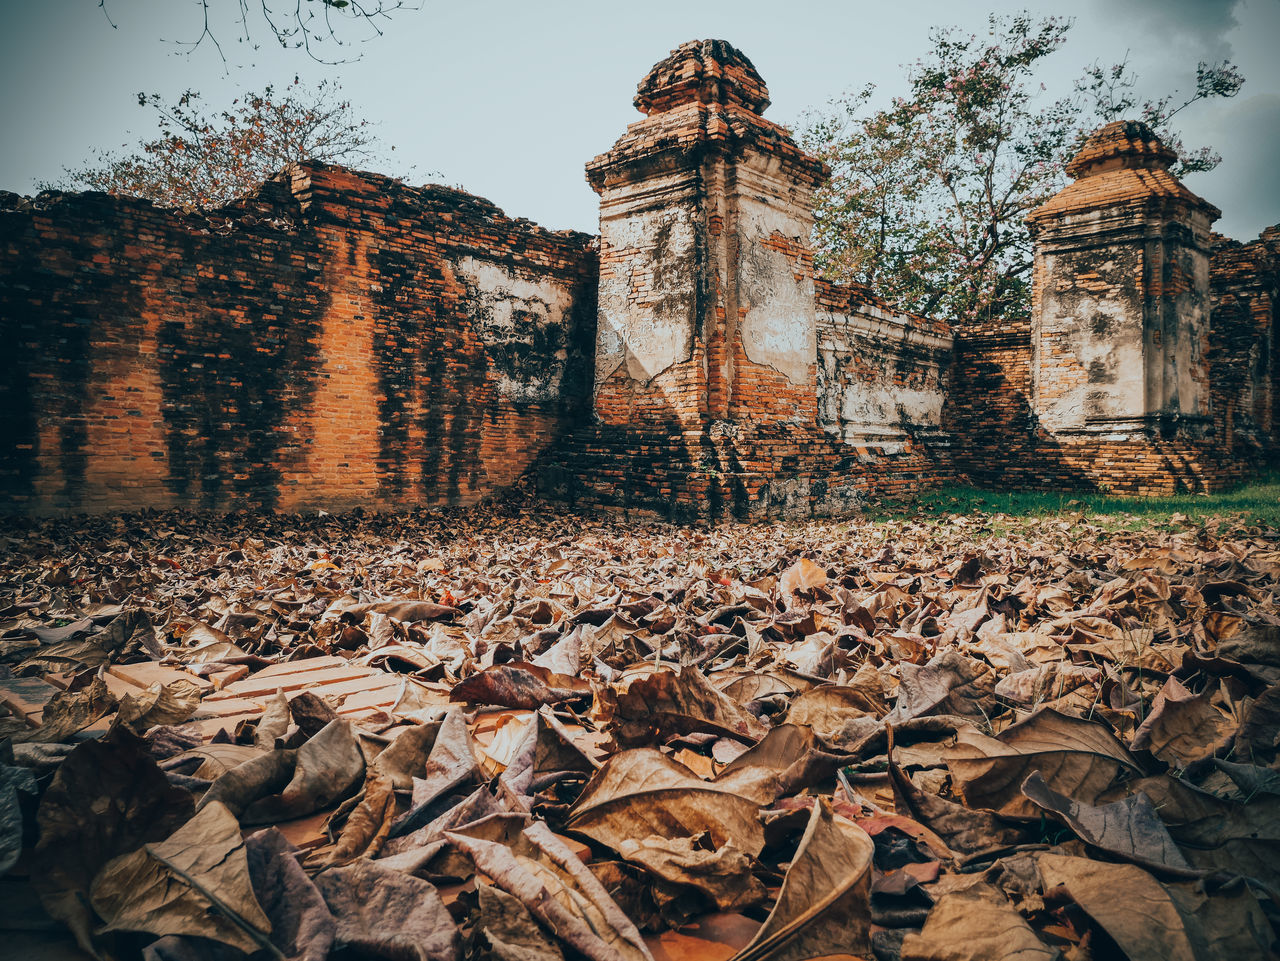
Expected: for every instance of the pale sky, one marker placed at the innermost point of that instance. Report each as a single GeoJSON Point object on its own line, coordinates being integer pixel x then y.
{"type": "Point", "coordinates": [510, 99]}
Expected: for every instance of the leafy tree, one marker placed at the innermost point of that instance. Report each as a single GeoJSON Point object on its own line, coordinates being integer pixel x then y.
{"type": "Point", "coordinates": [294, 24]}
{"type": "Point", "coordinates": [863, 230]}
{"type": "Point", "coordinates": [928, 198]}
{"type": "Point", "coordinates": [205, 159]}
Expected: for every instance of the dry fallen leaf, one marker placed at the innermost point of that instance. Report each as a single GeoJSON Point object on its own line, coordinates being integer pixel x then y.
{"type": "Point", "coordinates": [1078, 758]}
{"type": "Point", "coordinates": [510, 931]}
{"type": "Point", "coordinates": [641, 793]}
{"type": "Point", "coordinates": [292, 782]}
{"type": "Point", "coordinates": [824, 906]}
{"type": "Point", "coordinates": [655, 707]}
{"type": "Point", "coordinates": [722, 875]}
{"type": "Point", "coordinates": [974, 925]}
{"type": "Point", "coordinates": [1143, 917]}
{"type": "Point", "coordinates": [803, 575]}
{"type": "Point", "coordinates": [106, 799]}
{"type": "Point", "coordinates": [1130, 829]}
{"type": "Point", "coordinates": [867, 733]}
{"type": "Point", "coordinates": [195, 882]}
{"type": "Point", "coordinates": [364, 896]}
{"type": "Point", "coordinates": [1183, 728]}
{"type": "Point", "coordinates": [547, 877]}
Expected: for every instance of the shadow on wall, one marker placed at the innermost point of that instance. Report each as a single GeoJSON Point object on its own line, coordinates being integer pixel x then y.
{"type": "Point", "coordinates": [318, 345]}
{"type": "Point", "coordinates": [999, 443]}
{"type": "Point", "coordinates": [139, 368]}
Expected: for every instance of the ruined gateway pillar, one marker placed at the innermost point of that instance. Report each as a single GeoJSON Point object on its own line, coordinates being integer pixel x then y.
{"type": "Point", "coordinates": [706, 311]}
{"type": "Point", "coordinates": [705, 397]}
{"type": "Point", "coordinates": [1120, 307]}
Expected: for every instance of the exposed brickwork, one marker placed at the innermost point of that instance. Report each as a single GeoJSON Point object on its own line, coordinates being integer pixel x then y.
{"type": "Point", "coordinates": [773, 470]}
{"type": "Point", "coordinates": [1123, 163]}
{"type": "Point", "coordinates": [1119, 381]}
{"type": "Point", "coordinates": [707, 362]}
{"type": "Point", "coordinates": [688, 195]}
{"type": "Point", "coordinates": [883, 374]}
{"type": "Point", "coordinates": [998, 442]}
{"type": "Point", "coordinates": [1120, 294]}
{"type": "Point", "coordinates": [1245, 282]}
{"type": "Point", "coordinates": [706, 94]}
{"type": "Point", "coordinates": [759, 393]}
{"type": "Point", "coordinates": [339, 339]}
{"type": "Point", "coordinates": [988, 408]}
{"type": "Point", "coordinates": [632, 392]}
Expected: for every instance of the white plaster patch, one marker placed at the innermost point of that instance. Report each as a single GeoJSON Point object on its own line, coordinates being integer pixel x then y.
{"type": "Point", "coordinates": [645, 318]}
{"type": "Point", "coordinates": [861, 400]}
{"type": "Point", "coordinates": [1099, 334]}
{"type": "Point", "coordinates": [778, 328]}
{"type": "Point", "coordinates": [517, 317]}
{"type": "Point", "coordinates": [1189, 317]}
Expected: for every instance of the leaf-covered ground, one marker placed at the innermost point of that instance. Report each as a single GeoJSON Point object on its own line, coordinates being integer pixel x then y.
{"type": "Point", "coordinates": [943, 736]}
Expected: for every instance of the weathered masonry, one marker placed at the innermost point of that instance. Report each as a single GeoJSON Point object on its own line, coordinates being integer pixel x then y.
{"type": "Point", "coordinates": [337, 340]}
{"type": "Point", "coordinates": [1145, 367]}
{"type": "Point", "coordinates": [710, 336]}
{"type": "Point", "coordinates": [341, 339]}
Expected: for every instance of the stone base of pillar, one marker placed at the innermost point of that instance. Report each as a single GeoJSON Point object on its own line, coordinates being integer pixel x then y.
{"type": "Point", "coordinates": [730, 471]}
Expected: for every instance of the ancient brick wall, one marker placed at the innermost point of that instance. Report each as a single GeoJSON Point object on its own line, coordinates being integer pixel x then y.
{"type": "Point", "coordinates": [650, 369]}
{"type": "Point", "coordinates": [882, 378]}
{"type": "Point", "coordinates": [1120, 296]}
{"type": "Point", "coordinates": [883, 375]}
{"type": "Point", "coordinates": [706, 285]}
{"type": "Point", "coordinates": [707, 360]}
{"type": "Point", "coordinates": [988, 408]}
{"type": "Point", "coordinates": [1120, 380]}
{"type": "Point", "coordinates": [1245, 282]}
{"type": "Point", "coordinates": [339, 339]}
{"type": "Point", "coordinates": [998, 441]}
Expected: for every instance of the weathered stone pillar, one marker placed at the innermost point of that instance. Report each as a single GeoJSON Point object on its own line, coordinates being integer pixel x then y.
{"type": "Point", "coordinates": [706, 374]}
{"type": "Point", "coordinates": [1120, 310]}
{"type": "Point", "coordinates": [706, 309]}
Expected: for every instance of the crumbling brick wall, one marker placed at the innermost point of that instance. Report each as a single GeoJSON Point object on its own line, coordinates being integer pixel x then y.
{"type": "Point", "coordinates": [988, 408]}
{"type": "Point", "coordinates": [997, 440]}
{"type": "Point", "coordinates": [1120, 295]}
{"type": "Point", "coordinates": [883, 375]}
{"type": "Point", "coordinates": [339, 339]}
{"type": "Point", "coordinates": [1127, 377]}
{"type": "Point", "coordinates": [706, 283]}
{"type": "Point", "coordinates": [1245, 283]}
{"type": "Point", "coordinates": [707, 359]}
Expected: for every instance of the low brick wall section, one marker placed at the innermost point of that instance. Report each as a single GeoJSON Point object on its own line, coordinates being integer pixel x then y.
{"type": "Point", "coordinates": [883, 374]}
{"type": "Point", "coordinates": [340, 339]}
{"type": "Point", "coordinates": [998, 443]}
{"type": "Point", "coordinates": [1245, 285]}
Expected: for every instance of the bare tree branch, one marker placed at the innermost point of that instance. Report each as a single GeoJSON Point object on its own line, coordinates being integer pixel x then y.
{"type": "Point", "coordinates": [295, 24]}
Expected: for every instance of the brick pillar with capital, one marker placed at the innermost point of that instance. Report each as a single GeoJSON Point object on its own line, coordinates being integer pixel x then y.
{"type": "Point", "coordinates": [706, 310]}
{"type": "Point", "coordinates": [1120, 308]}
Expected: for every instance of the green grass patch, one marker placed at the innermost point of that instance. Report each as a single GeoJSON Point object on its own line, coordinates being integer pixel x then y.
{"type": "Point", "coordinates": [1255, 502]}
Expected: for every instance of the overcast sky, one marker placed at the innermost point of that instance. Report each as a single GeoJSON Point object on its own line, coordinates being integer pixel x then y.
{"type": "Point", "coordinates": [510, 99]}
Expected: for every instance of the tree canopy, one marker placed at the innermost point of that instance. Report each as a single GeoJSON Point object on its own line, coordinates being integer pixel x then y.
{"type": "Point", "coordinates": [928, 198]}
{"type": "Point", "coordinates": [204, 158]}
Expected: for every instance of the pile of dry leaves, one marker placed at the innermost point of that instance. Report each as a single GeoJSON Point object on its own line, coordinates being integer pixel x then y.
{"type": "Point", "coordinates": [526, 737]}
